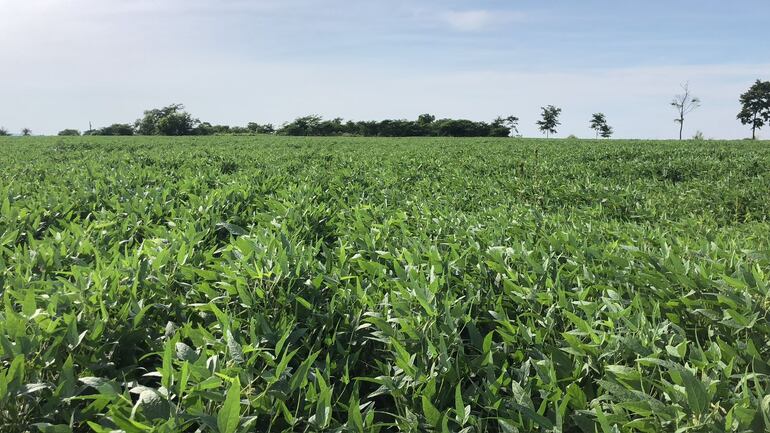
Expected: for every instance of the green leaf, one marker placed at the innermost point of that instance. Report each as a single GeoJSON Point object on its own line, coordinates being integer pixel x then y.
{"type": "Point", "coordinates": [323, 404]}
{"type": "Point", "coordinates": [45, 427]}
{"type": "Point", "coordinates": [299, 378]}
{"type": "Point", "coordinates": [104, 386]}
{"type": "Point", "coordinates": [507, 426]}
{"type": "Point", "coordinates": [697, 394]}
{"type": "Point", "coordinates": [229, 414]}
{"type": "Point", "coordinates": [6, 208]}
{"type": "Point", "coordinates": [432, 415]}
{"type": "Point", "coordinates": [235, 349]}
{"type": "Point", "coordinates": [765, 406]}
{"type": "Point", "coordinates": [459, 406]}
{"type": "Point", "coordinates": [354, 414]}
{"type": "Point", "coordinates": [167, 367]}
{"type": "Point", "coordinates": [234, 229]}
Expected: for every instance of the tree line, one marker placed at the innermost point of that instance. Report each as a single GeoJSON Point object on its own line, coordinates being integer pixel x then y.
{"type": "Point", "coordinates": [174, 120]}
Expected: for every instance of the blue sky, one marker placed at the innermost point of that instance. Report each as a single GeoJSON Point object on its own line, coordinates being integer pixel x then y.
{"type": "Point", "coordinates": [67, 62]}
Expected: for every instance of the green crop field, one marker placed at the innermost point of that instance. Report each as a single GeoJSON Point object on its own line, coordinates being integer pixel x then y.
{"type": "Point", "coordinates": [288, 284]}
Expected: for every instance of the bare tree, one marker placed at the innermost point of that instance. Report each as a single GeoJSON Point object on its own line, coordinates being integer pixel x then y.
{"type": "Point", "coordinates": [684, 104]}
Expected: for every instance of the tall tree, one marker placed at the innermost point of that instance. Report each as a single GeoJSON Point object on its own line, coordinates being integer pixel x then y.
{"type": "Point", "coordinates": [684, 104]}
{"type": "Point", "coordinates": [26, 132]}
{"type": "Point", "coordinates": [512, 122]}
{"type": "Point", "coordinates": [4, 132]}
{"type": "Point", "coordinates": [755, 107]}
{"type": "Point", "coordinates": [606, 131]}
{"type": "Point", "coordinates": [550, 120]}
{"type": "Point", "coordinates": [598, 120]}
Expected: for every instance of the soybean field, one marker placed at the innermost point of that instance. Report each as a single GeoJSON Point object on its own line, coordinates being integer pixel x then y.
{"type": "Point", "coordinates": [293, 284]}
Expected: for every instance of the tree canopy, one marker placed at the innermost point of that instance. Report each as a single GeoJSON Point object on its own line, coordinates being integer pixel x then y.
{"type": "Point", "coordinates": [114, 129]}
{"type": "Point", "coordinates": [599, 124]}
{"type": "Point", "coordinates": [425, 125]}
{"type": "Point", "coordinates": [549, 120]}
{"type": "Point", "coordinates": [170, 120]}
{"type": "Point", "coordinates": [755, 107]}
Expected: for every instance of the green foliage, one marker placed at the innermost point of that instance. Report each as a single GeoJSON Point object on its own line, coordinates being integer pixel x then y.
{"type": "Point", "coordinates": [170, 120]}
{"type": "Point", "coordinates": [549, 120]}
{"type": "Point", "coordinates": [755, 106]}
{"type": "Point", "coordinates": [68, 133]}
{"type": "Point", "coordinates": [504, 127]}
{"type": "Point", "coordinates": [306, 125]}
{"type": "Point", "coordinates": [597, 120]}
{"type": "Point", "coordinates": [283, 284]}
{"type": "Point", "coordinates": [426, 119]}
{"type": "Point", "coordinates": [256, 128]}
{"type": "Point", "coordinates": [599, 124]}
{"type": "Point", "coordinates": [606, 131]}
{"type": "Point", "coordinates": [426, 125]}
{"type": "Point", "coordinates": [26, 132]}
{"type": "Point", "coordinates": [4, 132]}
{"type": "Point", "coordinates": [114, 129]}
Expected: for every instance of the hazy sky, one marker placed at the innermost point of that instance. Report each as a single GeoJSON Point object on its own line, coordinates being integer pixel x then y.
{"type": "Point", "coordinates": [65, 62]}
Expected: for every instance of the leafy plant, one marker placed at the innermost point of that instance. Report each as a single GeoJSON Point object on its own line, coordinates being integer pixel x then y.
{"type": "Point", "coordinates": [237, 284]}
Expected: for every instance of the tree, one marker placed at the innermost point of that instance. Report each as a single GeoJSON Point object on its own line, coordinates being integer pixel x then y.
{"type": "Point", "coordinates": [4, 132]}
{"type": "Point", "coordinates": [598, 121]}
{"type": "Point", "coordinates": [606, 131]}
{"type": "Point", "coordinates": [426, 119]}
{"type": "Point", "coordinates": [260, 129]}
{"type": "Point", "coordinates": [684, 104]}
{"type": "Point", "coordinates": [26, 132]}
{"type": "Point", "coordinates": [170, 120]}
{"type": "Point", "coordinates": [504, 127]}
{"type": "Point", "coordinates": [755, 107]}
{"type": "Point", "coordinates": [115, 129]}
{"type": "Point", "coordinates": [305, 125]}
{"type": "Point", "coordinates": [550, 120]}
{"type": "Point", "coordinates": [69, 132]}
{"type": "Point", "coordinates": [462, 128]}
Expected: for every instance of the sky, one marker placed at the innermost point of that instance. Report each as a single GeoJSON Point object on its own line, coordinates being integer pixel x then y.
{"type": "Point", "coordinates": [65, 63]}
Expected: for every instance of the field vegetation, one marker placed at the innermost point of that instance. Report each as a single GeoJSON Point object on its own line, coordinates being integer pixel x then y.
{"type": "Point", "coordinates": [292, 284]}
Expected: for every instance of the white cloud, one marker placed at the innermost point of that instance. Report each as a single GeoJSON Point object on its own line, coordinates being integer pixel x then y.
{"type": "Point", "coordinates": [478, 20]}
{"type": "Point", "coordinates": [634, 99]}
{"type": "Point", "coordinates": [66, 62]}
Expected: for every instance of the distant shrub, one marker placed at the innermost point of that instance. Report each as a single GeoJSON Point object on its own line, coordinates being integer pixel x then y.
{"type": "Point", "coordinates": [4, 132]}
{"type": "Point", "coordinates": [698, 136]}
{"type": "Point", "coordinates": [261, 129]}
{"type": "Point", "coordinates": [572, 137]}
{"type": "Point", "coordinates": [115, 129]}
{"type": "Point", "coordinates": [69, 132]}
